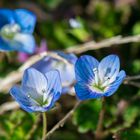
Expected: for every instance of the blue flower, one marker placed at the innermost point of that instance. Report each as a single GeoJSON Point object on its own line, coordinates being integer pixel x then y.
{"type": "Point", "coordinates": [16, 28]}
{"type": "Point", "coordinates": [67, 72]}
{"type": "Point", "coordinates": [94, 79]}
{"type": "Point", "coordinates": [38, 92]}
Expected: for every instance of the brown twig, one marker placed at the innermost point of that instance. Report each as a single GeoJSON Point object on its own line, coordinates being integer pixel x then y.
{"type": "Point", "coordinates": [62, 121]}
{"type": "Point", "coordinates": [117, 40]}
{"type": "Point", "coordinates": [8, 106]}
{"type": "Point", "coordinates": [135, 77]}
{"type": "Point", "coordinates": [135, 84]}
{"type": "Point", "coordinates": [129, 80]}
{"type": "Point", "coordinates": [15, 76]}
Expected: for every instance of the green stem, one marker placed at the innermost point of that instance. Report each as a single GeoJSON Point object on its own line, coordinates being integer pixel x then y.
{"type": "Point", "coordinates": [44, 125]}
{"type": "Point", "coordinates": [99, 129]}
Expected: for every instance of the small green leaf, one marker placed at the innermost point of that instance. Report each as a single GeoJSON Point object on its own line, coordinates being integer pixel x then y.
{"type": "Point", "coordinates": [86, 116]}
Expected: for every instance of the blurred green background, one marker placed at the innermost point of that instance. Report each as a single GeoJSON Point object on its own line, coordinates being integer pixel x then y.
{"type": "Point", "coordinates": [63, 24]}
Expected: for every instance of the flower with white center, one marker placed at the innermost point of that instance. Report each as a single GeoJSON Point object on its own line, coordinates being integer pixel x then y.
{"type": "Point", "coordinates": [94, 79]}
{"type": "Point", "coordinates": [38, 92]}
{"type": "Point", "coordinates": [16, 28]}
{"type": "Point", "coordinates": [67, 72]}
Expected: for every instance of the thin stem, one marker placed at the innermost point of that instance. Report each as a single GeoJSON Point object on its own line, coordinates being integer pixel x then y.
{"type": "Point", "coordinates": [44, 125]}
{"type": "Point", "coordinates": [99, 129]}
{"type": "Point", "coordinates": [63, 120]}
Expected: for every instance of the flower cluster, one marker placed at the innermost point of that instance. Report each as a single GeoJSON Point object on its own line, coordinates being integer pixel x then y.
{"type": "Point", "coordinates": [41, 89]}
{"type": "Point", "coordinates": [43, 82]}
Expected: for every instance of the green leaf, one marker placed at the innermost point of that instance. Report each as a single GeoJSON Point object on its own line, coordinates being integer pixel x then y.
{"type": "Point", "coordinates": [136, 66]}
{"type": "Point", "coordinates": [86, 116]}
{"type": "Point", "coordinates": [136, 28]}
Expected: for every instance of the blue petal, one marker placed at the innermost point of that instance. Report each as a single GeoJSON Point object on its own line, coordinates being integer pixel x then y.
{"type": "Point", "coordinates": [54, 85]}
{"type": "Point", "coordinates": [65, 90]}
{"type": "Point", "coordinates": [72, 58]}
{"type": "Point", "coordinates": [38, 109]}
{"type": "Point", "coordinates": [19, 95]}
{"type": "Point", "coordinates": [34, 95]}
{"type": "Point", "coordinates": [44, 65]}
{"type": "Point", "coordinates": [67, 72]}
{"type": "Point", "coordinates": [6, 17]}
{"type": "Point", "coordinates": [84, 68]}
{"type": "Point", "coordinates": [83, 92]}
{"type": "Point", "coordinates": [113, 87]}
{"type": "Point", "coordinates": [26, 20]}
{"type": "Point", "coordinates": [34, 79]}
{"type": "Point", "coordinates": [24, 42]}
{"type": "Point", "coordinates": [4, 46]}
{"type": "Point", "coordinates": [21, 42]}
{"type": "Point", "coordinates": [109, 67]}
{"type": "Point", "coordinates": [50, 104]}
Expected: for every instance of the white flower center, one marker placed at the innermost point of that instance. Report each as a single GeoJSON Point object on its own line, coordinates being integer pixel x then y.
{"type": "Point", "coordinates": [99, 85]}
{"type": "Point", "coordinates": [40, 99]}
{"type": "Point", "coordinates": [9, 31]}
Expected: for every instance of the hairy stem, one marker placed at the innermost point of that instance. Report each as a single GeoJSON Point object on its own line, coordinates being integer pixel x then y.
{"type": "Point", "coordinates": [44, 125]}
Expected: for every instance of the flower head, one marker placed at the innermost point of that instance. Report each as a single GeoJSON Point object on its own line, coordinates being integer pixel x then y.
{"type": "Point", "coordinates": [38, 92]}
{"type": "Point", "coordinates": [94, 79]}
{"type": "Point", "coordinates": [16, 28]}
{"type": "Point", "coordinates": [67, 72]}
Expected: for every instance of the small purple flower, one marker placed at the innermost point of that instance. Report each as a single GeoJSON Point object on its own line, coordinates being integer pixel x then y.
{"type": "Point", "coordinates": [38, 92]}
{"type": "Point", "coordinates": [94, 79]}
{"type": "Point", "coordinates": [67, 72]}
{"type": "Point", "coordinates": [23, 57]}
{"type": "Point", "coordinates": [16, 28]}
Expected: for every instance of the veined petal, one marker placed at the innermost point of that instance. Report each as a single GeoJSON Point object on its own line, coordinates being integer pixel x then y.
{"type": "Point", "coordinates": [43, 65]}
{"type": "Point", "coordinates": [4, 46]}
{"type": "Point", "coordinates": [44, 108]}
{"type": "Point", "coordinates": [84, 68]}
{"type": "Point", "coordinates": [6, 17]}
{"type": "Point", "coordinates": [38, 108]}
{"type": "Point", "coordinates": [23, 42]}
{"type": "Point", "coordinates": [36, 80]}
{"type": "Point", "coordinates": [26, 20]}
{"type": "Point", "coordinates": [54, 85]}
{"type": "Point", "coordinates": [72, 58]}
{"type": "Point", "coordinates": [83, 92]}
{"type": "Point", "coordinates": [33, 94]}
{"type": "Point", "coordinates": [67, 73]}
{"type": "Point", "coordinates": [50, 103]}
{"type": "Point", "coordinates": [20, 42]}
{"type": "Point", "coordinates": [109, 67]}
{"type": "Point", "coordinates": [19, 95]}
{"type": "Point", "coordinates": [113, 87]}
